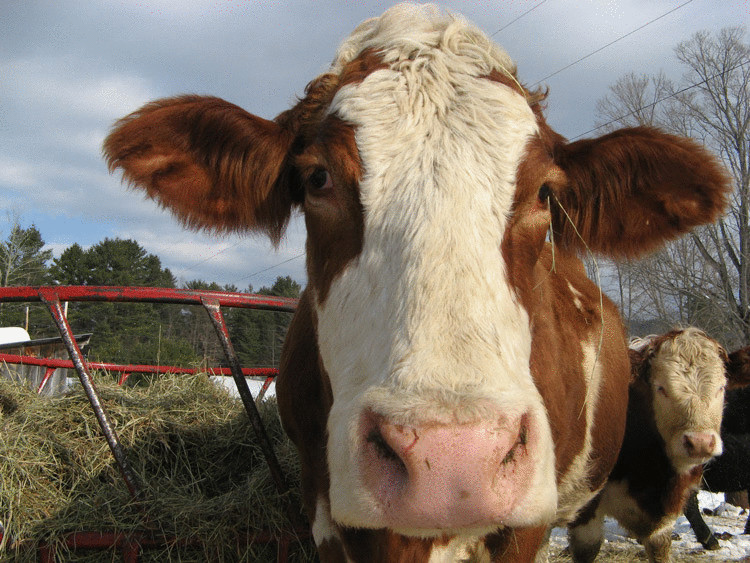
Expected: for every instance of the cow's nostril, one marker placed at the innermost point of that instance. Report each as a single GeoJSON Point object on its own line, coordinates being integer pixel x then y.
{"type": "Point", "coordinates": [689, 446]}
{"type": "Point", "coordinates": [381, 446]}
{"type": "Point", "coordinates": [699, 444]}
{"type": "Point", "coordinates": [520, 441]}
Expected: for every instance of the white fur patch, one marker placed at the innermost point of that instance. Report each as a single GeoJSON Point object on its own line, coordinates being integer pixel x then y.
{"type": "Point", "coordinates": [424, 326]}
{"type": "Point", "coordinates": [322, 527]}
{"type": "Point", "coordinates": [577, 296]}
{"type": "Point", "coordinates": [460, 549]}
{"type": "Point", "coordinates": [616, 502]}
{"type": "Point", "coordinates": [574, 488]}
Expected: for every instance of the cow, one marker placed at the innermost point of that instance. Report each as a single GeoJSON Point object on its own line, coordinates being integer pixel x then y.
{"type": "Point", "coordinates": [673, 426]}
{"type": "Point", "coordinates": [452, 380]}
{"type": "Point", "coordinates": [729, 472]}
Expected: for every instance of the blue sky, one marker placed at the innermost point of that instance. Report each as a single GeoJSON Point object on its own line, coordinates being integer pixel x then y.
{"type": "Point", "coordinates": [69, 69]}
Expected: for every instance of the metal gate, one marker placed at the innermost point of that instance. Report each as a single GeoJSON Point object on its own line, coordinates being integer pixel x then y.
{"type": "Point", "coordinates": [212, 301]}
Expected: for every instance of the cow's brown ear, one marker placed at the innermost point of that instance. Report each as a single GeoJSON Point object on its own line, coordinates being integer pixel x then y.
{"type": "Point", "coordinates": [738, 368]}
{"type": "Point", "coordinates": [631, 190]}
{"type": "Point", "coordinates": [639, 363]}
{"type": "Point", "coordinates": [216, 166]}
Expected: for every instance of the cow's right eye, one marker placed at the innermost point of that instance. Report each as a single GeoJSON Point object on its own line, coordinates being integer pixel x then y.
{"type": "Point", "coordinates": [320, 179]}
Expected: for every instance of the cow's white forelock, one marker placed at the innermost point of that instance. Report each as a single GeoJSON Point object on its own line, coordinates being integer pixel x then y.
{"type": "Point", "coordinates": [423, 326]}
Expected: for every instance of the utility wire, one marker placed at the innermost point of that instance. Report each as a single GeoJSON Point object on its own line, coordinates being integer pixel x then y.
{"type": "Point", "coordinates": [652, 104]}
{"type": "Point", "coordinates": [611, 43]}
{"type": "Point", "coordinates": [214, 255]}
{"type": "Point", "coordinates": [269, 268]}
{"type": "Point", "coordinates": [518, 18]}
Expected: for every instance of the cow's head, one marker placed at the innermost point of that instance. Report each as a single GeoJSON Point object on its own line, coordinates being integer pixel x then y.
{"type": "Point", "coordinates": [429, 183]}
{"type": "Point", "coordinates": [686, 373]}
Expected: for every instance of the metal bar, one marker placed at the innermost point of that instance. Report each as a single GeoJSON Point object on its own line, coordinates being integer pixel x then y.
{"type": "Point", "coordinates": [150, 295]}
{"type": "Point", "coordinates": [50, 298]}
{"type": "Point", "coordinates": [133, 368]}
{"type": "Point", "coordinates": [130, 552]}
{"type": "Point", "coordinates": [213, 309]}
{"type": "Point", "coordinates": [282, 549]}
{"type": "Point", "coordinates": [264, 388]}
{"type": "Point", "coordinates": [145, 540]}
{"type": "Point", "coordinates": [47, 374]}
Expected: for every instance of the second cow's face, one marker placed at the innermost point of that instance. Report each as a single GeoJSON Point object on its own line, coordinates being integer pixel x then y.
{"type": "Point", "coordinates": [687, 379]}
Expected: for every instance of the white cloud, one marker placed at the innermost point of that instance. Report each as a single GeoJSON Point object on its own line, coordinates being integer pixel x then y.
{"type": "Point", "coordinates": [16, 173]}
{"type": "Point", "coordinates": [229, 259]}
{"type": "Point", "coordinates": [64, 89]}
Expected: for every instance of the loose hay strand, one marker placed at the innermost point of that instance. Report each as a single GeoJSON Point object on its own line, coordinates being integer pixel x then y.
{"type": "Point", "coordinates": [601, 297]}
{"type": "Point", "coordinates": [187, 440]}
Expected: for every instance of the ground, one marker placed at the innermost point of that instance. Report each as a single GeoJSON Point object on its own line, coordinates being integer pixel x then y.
{"type": "Point", "coordinates": [728, 524]}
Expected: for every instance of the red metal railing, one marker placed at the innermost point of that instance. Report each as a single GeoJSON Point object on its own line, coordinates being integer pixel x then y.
{"type": "Point", "coordinates": [269, 374]}
{"type": "Point", "coordinates": [212, 301]}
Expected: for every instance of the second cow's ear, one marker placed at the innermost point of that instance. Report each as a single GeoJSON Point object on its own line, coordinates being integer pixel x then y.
{"type": "Point", "coordinates": [633, 189]}
{"type": "Point", "coordinates": [640, 361]}
{"type": "Point", "coordinates": [738, 368]}
{"type": "Point", "coordinates": [216, 166]}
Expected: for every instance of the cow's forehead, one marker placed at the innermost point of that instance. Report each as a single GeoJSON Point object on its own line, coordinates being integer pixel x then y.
{"type": "Point", "coordinates": [408, 32]}
{"type": "Point", "coordinates": [432, 99]}
{"type": "Point", "coordinates": [690, 361]}
{"type": "Point", "coordinates": [440, 126]}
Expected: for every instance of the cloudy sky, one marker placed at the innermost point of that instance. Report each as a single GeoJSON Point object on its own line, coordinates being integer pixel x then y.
{"type": "Point", "coordinates": [69, 69]}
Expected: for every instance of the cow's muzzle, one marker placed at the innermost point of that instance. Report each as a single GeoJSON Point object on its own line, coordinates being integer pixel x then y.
{"type": "Point", "coordinates": [446, 476]}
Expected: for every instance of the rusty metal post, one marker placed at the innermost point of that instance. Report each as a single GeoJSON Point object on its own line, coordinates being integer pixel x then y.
{"type": "Point", "coordinates": [217, 318]}
{"type": "Point", "coordinates": [47, 374]}
{"type": "Point", "coordinates": [50, 298]}
{"type": "Point", "coordinates": [263, 389]}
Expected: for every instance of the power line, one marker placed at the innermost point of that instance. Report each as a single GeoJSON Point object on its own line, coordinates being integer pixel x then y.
{"type": "Point", "coordinates": [611, 43]}
{"type": "Point", "coordinates": [652, 104]}
{"type": "Point", "coordinates": [269, 268]}
{"type": "Point", "coordinates": [518, 18]}
{"type": "Point", "coordinates": [214, 255]}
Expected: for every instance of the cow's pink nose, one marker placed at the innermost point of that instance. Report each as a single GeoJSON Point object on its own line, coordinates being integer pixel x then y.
{"type": "Point", "coordinates": [700, 444]}
{"type": "Point", "coordinates": [446, 476]}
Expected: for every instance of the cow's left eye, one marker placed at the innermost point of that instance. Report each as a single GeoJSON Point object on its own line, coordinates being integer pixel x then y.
{"type": "Point", "coordinates": [320, 179]}
{"type": "Point", "coordinates": [543, 195]}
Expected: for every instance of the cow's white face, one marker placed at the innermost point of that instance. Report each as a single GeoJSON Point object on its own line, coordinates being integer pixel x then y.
{"type": "Point", "coordinates": [423, 328]}
{"type": "Point", "coordinates": [687, 380]}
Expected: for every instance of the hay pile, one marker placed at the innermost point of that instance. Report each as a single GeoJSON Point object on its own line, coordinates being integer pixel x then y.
{"type": "Point", "coordinates": [189, 443]}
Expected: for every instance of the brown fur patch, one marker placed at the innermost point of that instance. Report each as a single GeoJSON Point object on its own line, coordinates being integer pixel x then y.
{"type": "Point", "coordinates": [517, 545]}
{"type": "Point", "coordinates": [738, 368]}
{"type": "Point", "coordinates": [335, 220]}
{"type": "Point", "coordinates": [382, 546]}
{"type": "Point", "coordinates": [560, 325]}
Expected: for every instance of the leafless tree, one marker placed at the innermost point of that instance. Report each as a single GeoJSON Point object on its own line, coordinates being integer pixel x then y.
{"type": "Point", "coordinates": [704, 278]}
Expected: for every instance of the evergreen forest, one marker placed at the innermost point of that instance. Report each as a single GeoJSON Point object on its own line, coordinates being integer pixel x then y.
{"type": "Point", "coordinates": [135, 333]}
